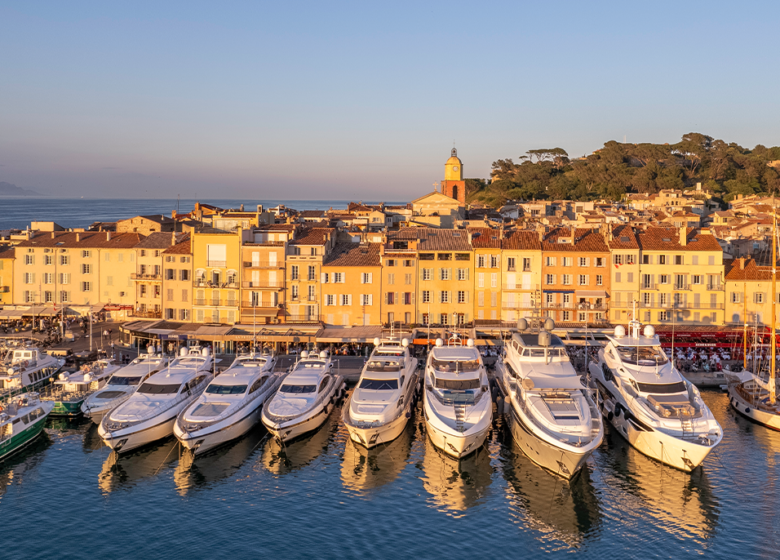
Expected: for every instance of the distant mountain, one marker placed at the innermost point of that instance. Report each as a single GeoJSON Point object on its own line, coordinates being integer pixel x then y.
{"type": "Point", "coordinates": [7, 189]}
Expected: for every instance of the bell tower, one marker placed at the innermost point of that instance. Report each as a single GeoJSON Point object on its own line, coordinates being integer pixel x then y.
{"type": "Point", "coordinates": [453, 184]}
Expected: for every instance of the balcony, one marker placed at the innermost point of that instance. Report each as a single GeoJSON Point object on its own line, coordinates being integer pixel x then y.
{"type": "Point", "coordinates": [4, 289]}
{"type": "Point", "coordinates": [146, 314]}
{"type": "Point", "coordinates": [216, 264]}
{"type": "Point", "coordinates": [146, 276]}
{"type": "Point", "coordinates": [264, 264]}
{"type": "Point", "coordinates": [211, 302]}
{"type": "Point", "coordinates": [715, 287]}
{"type": "Point", "coordinates": [267, 284]}
{"type": "Point", "coordinates": [303, 318]}
{"type": "Point", "coordinates": [516, 286]}
{"type": "Point", "coordinates": [203, 283]}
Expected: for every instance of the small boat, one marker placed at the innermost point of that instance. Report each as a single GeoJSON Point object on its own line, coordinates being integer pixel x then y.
{"type": "Point", "coordinates": [231, 404]}
{"type": "Point", "coordinates": [382, 402]}
{"type": "Point", "coordinates": [123, 383]}
{"type": "Point", "coordinates": [21, 421]}
{"type": "Point", "coordinates": [305, 399]}
{"type": "Point", "coordinates": [650, 403]}
{"type": "Point", "coordinates": [150, 412]}
{"type": "Point", "coordinates": [457, 404]}
{"type": "Point", "coordinates": [551, 413]}
{"type": "Point", "coordinates": [29, 369]}
{"type": "Point", "coordinates": [70, 390]}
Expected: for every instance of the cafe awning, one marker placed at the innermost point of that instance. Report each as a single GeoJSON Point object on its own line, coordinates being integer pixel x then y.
{"type": "Point", "coordinates": [13, 313]}
{"type": "Point", "coordinates": [591, 293]}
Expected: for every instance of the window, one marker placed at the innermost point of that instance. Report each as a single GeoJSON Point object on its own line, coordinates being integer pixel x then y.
{"type": "Point", "coordinates": [696, 279]}
{"type": "Point", "coordinates": [48, 259]}
{"type": "Point", "coordinates": [86, 287]}
{"type": "Point", "coordinates": [184, 275]}
{"type": "Point", "coordinates": [48, 297]}
{"type": "Point", "coordinates": [29, 278]}
{"type": "Point", "coordinates": [48, 278]}
{"type": "Point", "coordinates": [427, 273]}
{"type": "Point", "coordinates": [526, 265]}
{"type": "Point", "coordinates": [480, 261]}
{"type": "Point", "coordinates": [463, 274]}
{"type": "Point", "coordinates": [758, 297]}
{"type": "Point", "coordinates": [408, 263]}
{"type": "Point", "coordinates": [567, 315]}
{"type": "Point", "coordinates": [408, 299]}
{"type": "Point", "coordinates": [366, 278]}
{"type": "Point", "coordinates": [391, 278]}
{"type": "Point", "coordinates": [330, 299]}
{"type": "Point", "coordinates": [312, 273]}
{"type": "Point", "coordinates": [85, 254]}
{"type": "Point", "coordinates": [630, 277]}
{"type": "Point", "coordinates": [661, 259]}
{"type": "Point", "coordinates": [510, 264]}
{"type": "Point", "coordinates": [462, 256]}
{"type": "Point", "coordinates": [444, 296]}
{"type": "Point", "coordinates": [711, 260]}
{"type": "Point", "coordinates": [445, 274]}
{"type": "Point", "coordinates": [346, 299]}
{"type": "Point", "coordinates": [444, 256]}
{"type": "Point", "coordinates": [493, 280]}
{"type": "Point", "coordinates": [481, 280]}
{"type": "Point", "coordinates": [64, 259]}
{"type": "Point", "coordinates": [390, 298]}
{"type": "Point", "coordinates": [618, 259]}
{"type": "Point", "coordinates": [663, 278]}
{"type": "Point", "coordinates": [64, 297]}
{"type": "Point", "coordinates": [600, 260]}
{"type": "Point", "coordinates": [294, 291]}
{"type": "Point", "coordinates": [549, 279]}
{"type": "Point", "coordinates": [583, 261]}
{"type": "Point", "coordinates": [481, 299]}
{"type": "Point", "coordinates": [567, 261]}
{"type": "Point", "coordinates": [426, 296]}
{"type": "Point", "coordinates": [735, 297]}
{"type": "Point", "coordinates": [694, 260]}
{"type": "Point", "coordinates": [338, 277]}
{"type": "Point", "coordinates": [617, 278]}
{"type": "Point", "coordinates": [443, 319]}
{"type": "Point", "coordinates": [142, 289]}
{"type": "Point", "coordinates": [86, 268]}
{"type": "Point", "coordinates": [294, 272]}
{"type": "Point", "coordinates": [408, 279]}
{"type": "Point", "coordinates": [494, 261]}
{"type": "Point", "coordinates": [29, 259]}
{"type": "Point", "coordinates": [312, 295]}
{"type": "Point", "coordinates": [664, 316]}
{"type": "Point", "coordinates": [583, 280]}
{"type": "Point", "coordinates": [647, 259]}
{"type": "Point", "coordinates": [390, 262]}
{"type": "Point", "coordinates": [678, 259]}
{"type": "Point", "coordinates": [461, 296]}
{"type": "Point", "coordinates": [366, 299]}
{"type": "Point", "coordinates": [550, 261]}
{"type": "Point", "coordinates": [170, 274]}
{"type": "Point", "coordinates": [599, 280]}
{"type": "Point", "coordinates": [184, 295]}
{"type": "Point", "coordinates": [566, 279]}
{"type": "Point", "coordinates": [425, 319]}
{"type": "Point", "coordinates": [426, 256]}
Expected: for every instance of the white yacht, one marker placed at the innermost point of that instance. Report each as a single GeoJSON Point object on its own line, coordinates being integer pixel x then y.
{"type": "Point", "coordinates": [21, 421]}
{"type": "Point", "coordinates": [28, 370]}
{"type": "Point", "coordinates": [150, 412]}
{"type": "Point", "coordinates": [305, 399]}
{"type": "Point", "coordinates": [552, 415]}
{"type": "Point", "coordinates": [382, 402]}
{"type": "Point", "coordinates": [650, 403]}
{"type": "Point", "coordinates": [457, 404]}
{"type": "Point", "coordinates": [70, 390]}
{"type": "Point", "coordinates": [122, 384]}
{"type": "Point", "coordinates": [230, 405]}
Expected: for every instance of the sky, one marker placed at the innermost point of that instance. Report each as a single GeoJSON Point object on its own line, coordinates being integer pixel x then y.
{"type": "Point", "coordinates": [361, 100]}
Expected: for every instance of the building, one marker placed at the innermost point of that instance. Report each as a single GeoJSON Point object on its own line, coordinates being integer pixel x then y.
{"type": "Point", "coordinates": [148, 275]}
{"type": "Point", "coordinates": [7, 276]}
{"type": "Point", "coordinates": [487, 273]}
{"type": "Point", "coordinates": [398, 256]}
{"type": "Point", "coordinates": [146, 225]}
{"type": "Point", "coordinates": [453, 185]}
{"type": "Point", "coordinates": [177, 281]}
{"type": "Point", "coordinates": [624, 272]}
{"type": "Point", "coordinates": [522, 272]}
{"type": "Point", "coordinates": [263, 278]}
{"type": "Point", "coordinates": [351, 283]}
{"type": "Point", "coordinates": [748, 289]}
{"type": "Point", "coordinates": [681, 269]}
{"type": "Point", "coordinates": [305, 254]}
{"type": "Point", "coordinates": [216, 260]}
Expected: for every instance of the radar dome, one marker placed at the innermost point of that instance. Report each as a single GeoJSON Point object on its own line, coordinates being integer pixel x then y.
{"type": "Point", "coordinates": [470, 343]}
{"type": "Point", "coordinates": [620, 331]}
{"type": "Point", "coordinates": [405, 342]}
{"type": "Point", "coordinates": [649, 331]}
{"type": "Point", "coordinates": [377, 341]}
{"type": "Point", "coordinates": [549, 324]}
{"type": "Point", "coordinates": [522, 324]}
{"type": "Point", "coordinates": [439, 343]}
{"type": "Point", "coordinates": [324, 354]}
{"type": "Point", "coordinates": [304, 354]}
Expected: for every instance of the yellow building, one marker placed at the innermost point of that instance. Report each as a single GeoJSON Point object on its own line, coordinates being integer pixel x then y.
{"type": "Point", "coordinates": [7, 277]}
{"type": "Point", "coordinates": [522, 269]}
{"type": "Point", "coordinates": [487, 277]}
{"type": "Point", "coordinates": [304, 263]}
{"type": "Point", "coordinates": [398, 255]}
{"type": "Point", "coordinates": [148, 275]}
{"type": "Point", "coordinates": [748, 293]}
{"type": "Point", "coordinates": [681, 269]}
{"type": "Point", "coordinates": [351, 285]}
{"type": "Point", "coordinates": [263, 281]}
{"type": "Point", "coordinates": [177, 280]}
{"type": "Point", "coordinates": [77, 269]}
{"type": "Point", "coordinates": [216, 260]}
{"type": "Point", "coordinates": [624, 246]}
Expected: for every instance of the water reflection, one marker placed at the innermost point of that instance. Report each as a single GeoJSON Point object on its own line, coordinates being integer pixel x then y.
{"type": "Point", "coordinates": [455, 485]}
{"type": "Point", "coordinates": [92, 440]}
{"type": "Point", "coordinates": [283, 459]}
{"type": "Point", "coordinates": [680, 503]}
{"type": "Point", "coordinates": [15, 468]}
{"type": "Point", "coordinates": [366, 469]}
{"type": "Point", "coordinates": [124, 471]}
{"type": "Point", "coordinates": [559, 509]}
{"type": "Point", "coordinates": [202, 472]}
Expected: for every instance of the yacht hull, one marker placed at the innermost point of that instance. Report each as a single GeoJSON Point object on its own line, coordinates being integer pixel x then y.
{"type": "Point", "coordinates": [123, 441]}
{"type": "Point", "coordinates": [306, 422]}
{"type": "Point", "coordinates": [456, 446]}
{"type": "Point", "coordinates": [96, 413]}
{"type": "Point", "coordinates": [375, 435]}
{"type": "Point", "coordinates": [749, 411]}
{"type": "Point", "coordinates": [206, 440]}
{"type": "Point", "coordinates": [67, 408]}
{"type": "Point", "coordinates": [21, 440]}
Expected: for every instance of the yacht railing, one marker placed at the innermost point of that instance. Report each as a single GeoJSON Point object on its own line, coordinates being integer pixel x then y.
{"type": "Point", "coordinates": [168, 404]}
{"type": "Point", "coordinates": [364, 425]}
{"type": "Point", "coordinates": [320, 397]}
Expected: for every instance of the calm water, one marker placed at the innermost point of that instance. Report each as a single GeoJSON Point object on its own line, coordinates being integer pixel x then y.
{"type": "Point", "coordinates": [322, 497]}
{"type": "Point", "coordinates": [72, 212]}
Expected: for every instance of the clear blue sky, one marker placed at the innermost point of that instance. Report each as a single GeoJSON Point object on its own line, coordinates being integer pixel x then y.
{"type": "Point", "coordinates": [361, 100]}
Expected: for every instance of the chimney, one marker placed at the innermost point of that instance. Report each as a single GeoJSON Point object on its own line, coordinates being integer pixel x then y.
{"type": "Point", "coordinates": [742, 263]}
{"type": "Point", "coordinates": [684, 236]}
{"type": "Point", "coordinates": [173, 238]}
{"type": "Point", "coordinates": [108, 236]}
{"type": "Point", "coordinates": [78, 237]}
{"type": "Point", "coordinates": [52, 235]}
{"type": "Point", "coordinates": [698, 186]}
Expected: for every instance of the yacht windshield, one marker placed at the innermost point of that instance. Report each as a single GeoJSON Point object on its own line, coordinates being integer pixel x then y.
{"type": "Point", "coordinates": [209, 409]}
{"type": "Point", "coordinates": [457, 391]}
{"type": "Point", "coordinates": [123, 380]}
{"type": "Point", "coordinates": [375, 365]}
{"type": "Point", "coordinates": [662, 388]}
{"type": "Point", "coordinates": [297, 388]}
{"type": "Point", "coordinates": [539, 352]}
{"type": "Point", "coordinates": [455, 365]}
{"type": "Point", "coordinates": [304, 365]}
{"type": "Point", "coordinates": [226, 389]}
{"type": "Point", "coordinates": [379, 384]}
{"type": "Point", "coordinates": [457, 384]}
{"type": "Point", "coordinates": [251, 363]}
{"type": "Point", "coordinates": [154, 389]}
{"type": "Point", "coordinates": [642, 355]}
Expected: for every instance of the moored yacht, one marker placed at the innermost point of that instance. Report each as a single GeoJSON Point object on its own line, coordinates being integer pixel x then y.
{"type": "Point", "coordinates": [70, 390]}
{"type": "Point", "coordinates": [28, 369]}
{"type": "Point", "coordinates": [122, 384]}
{"type": "Point", "coordinates": [650, 403]}
{"type": "Point", "coordinates": [21, 421]}
{"type": "Point", "coordinates": [382, 402]}
{"type": "Point", "coordinates": [305, 399]}
{"type": "Point", "coordinates": [552, 415]}
{"type": "Point", "coordinates": [150, 412]}
{"type": "Point", "coordinates": [230, 405]}
{"type": "Point", "coordinates": [457, 403]}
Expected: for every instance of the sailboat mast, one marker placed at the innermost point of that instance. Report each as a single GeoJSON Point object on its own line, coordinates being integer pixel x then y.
{"type": "Point", "coordinates": [773, 334]}
{"type": "Point", "coordinates": [744, 335]}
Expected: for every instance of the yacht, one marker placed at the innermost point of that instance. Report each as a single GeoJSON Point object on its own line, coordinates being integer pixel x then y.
{"type": "Point", "coordinates": [21, 421]}
{"type": "Point", "coordinates": [650, 403]}
{"type": "Point", "coordinates": [382, 402]}
{"type": "Point", "coordinates": [28, 370]}
{"type": "Point", "coordinates": [150, 412]}
{"type": "Point", "coordinates": [305, 399]}
{"type": "Point", "coordinates": [457, 403]}
{"type": "Point", "coordinates": [70, 390]}
{"type": "Point", "coordinates": [231, 404]}
{"type": "Point", "coordinates": [122, 384]}
{"type": "Point", "coordinates": [552, 415]}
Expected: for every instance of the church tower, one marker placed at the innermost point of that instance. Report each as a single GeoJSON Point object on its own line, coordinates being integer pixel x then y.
{"type": "Point", "coordinates": [453, 184]}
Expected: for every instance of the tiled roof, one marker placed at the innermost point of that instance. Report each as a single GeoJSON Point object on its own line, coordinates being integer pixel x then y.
{"type": "Point", "coordinates": [312, 213]}
{"type": "Point", "coordinates": [623, 237]}
{"type": "Point", "coordinates": [522, 240]}
{"type": "Point", "coordinates": [183, 247]}
{"type": "Point", "coordinates": [7, 254]}
{"type": "Point", "coordinates": [485, 238]}
{"type": "Point", "coordinates": [157, 240]}
{"type": "Point", "coordinates": [659, 239]}
{"type": "Point", "coordinates": [751, 271]}
{"type": "Point", "coordinates": [584, 240]}
{"type": "Point", "coordinates": [354, 254]}
{"type": "Point", "coordinates": [277, 227]}
{"type": "Point", "coordinates": [313, 236]}
{"type": "Point", "coordinates": [157, 218]}
{"type": "Point", "coordinates": [444, 240]}
{"type": "Point", "coordinates": [87, 239]}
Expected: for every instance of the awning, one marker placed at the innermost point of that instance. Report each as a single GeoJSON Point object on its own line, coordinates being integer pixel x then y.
{"type": "Point", "coordinates": [42, 311]}
{"type": "Point", "coordinates": [558, 291]}
{"type": "Point", "coordinates": [262, 312]}
{"type": "Point", "coordinates": [365, 333]}
{"type": "Point", "coordinates": [12, 313]}
{"type": "Point", "coordinates": [117, 307]}
{"type": "Point", "coordinates": [591, 293]}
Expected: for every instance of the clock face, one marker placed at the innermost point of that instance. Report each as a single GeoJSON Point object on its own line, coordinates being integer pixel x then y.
{"type": "Point", "coordinates": [454, 167]}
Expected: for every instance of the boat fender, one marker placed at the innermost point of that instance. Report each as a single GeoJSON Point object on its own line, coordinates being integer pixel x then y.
{"type": "Point", "coordinates": [747, 410]}
{"type": "Point", "coordinates": [610, 416]}
{"type": "Point", "coordinates": [408, 415]}
{"type": "Point", "coordinates": [618, 410]}
{"type": "Point", "coordinates": [500, 405]}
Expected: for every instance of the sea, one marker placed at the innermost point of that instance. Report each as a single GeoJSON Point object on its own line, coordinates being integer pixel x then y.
{"type": "Point", "coordinates": [17, 213]}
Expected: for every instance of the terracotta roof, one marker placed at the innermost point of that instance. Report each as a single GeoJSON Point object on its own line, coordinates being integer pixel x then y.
{"type": "Point", "coordinates": [277, 227]}
{"type": "Point", "coordinates": [485, 238]}
{"type": "Point", "coordinates": [623, 237]}
{"type": "Point", "coordinates": [312, 213]}
{"type": "Point", "coordinates": [7, 254]}
{"type": "Point", "coordinates": [659, 239]}
{"type": "Point", "coordinates": [522, 240]}
{"type": "Point", "coordinates": [313, 236]}
{"type": "Point", "coordinates": [353, 254]}
{"type": "Point", "coordinates": [87, 239]}
{"type": "Point", "coordinates": [157, 240]}
{"type": "Point", "coordinates": [183, 247]}
{"type": "Point", "coordinates": [444, 240]}
{"type": "Point", "coordinates": [157, 218]}
{"type": "Point", "coordinates": [751, 271]}
{"type": "Point", "coordinates": [584, 240]}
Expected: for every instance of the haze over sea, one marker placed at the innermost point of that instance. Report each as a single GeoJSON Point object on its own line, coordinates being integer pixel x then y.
{"type": "Point", "coordinates": [81, 212]}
